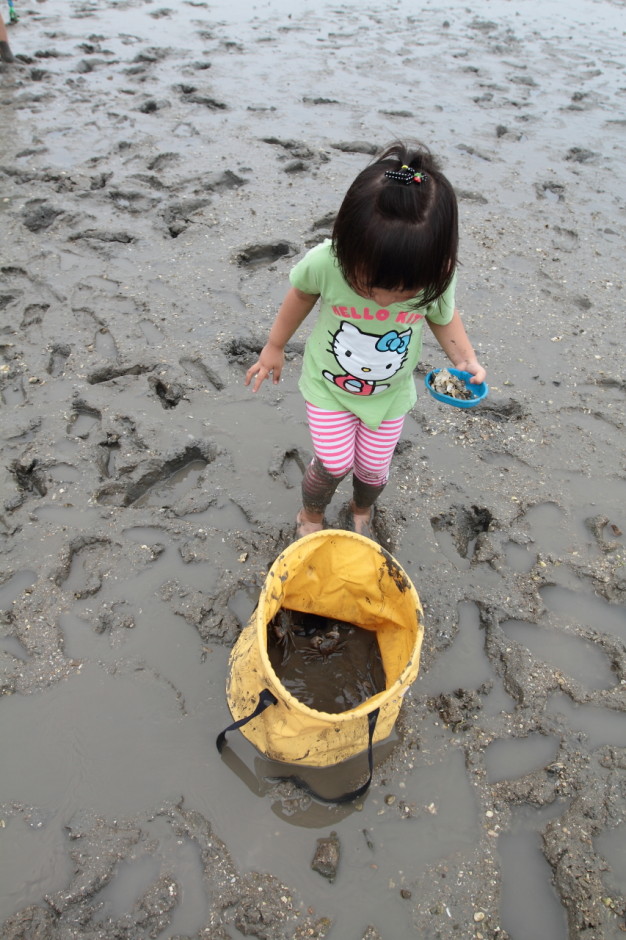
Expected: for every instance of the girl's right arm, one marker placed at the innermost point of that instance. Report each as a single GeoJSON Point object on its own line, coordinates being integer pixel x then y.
{"type": "Point", "coordinates": [292, 312]}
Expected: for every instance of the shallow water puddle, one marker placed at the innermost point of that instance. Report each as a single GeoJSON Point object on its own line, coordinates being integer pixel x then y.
{"type": "Point", "coordinates": [392, 853]}
{"type": "Point", "coordinates": [516, 757]}
{"type": "Point", "coordinates": [465, 665]}
{"type": "Point", "coordinates": [13, 394]}
{"type": "Point", "coordinates": [103, 738]}
{"type": "Point", "coordinates": [37, 862]}
{"type": "Point", "coordinates": [12, 646]}
{"type": "Point", "coordinates": [223, 514]}
{"type": "Point", "coordinates": [169, 491]}
{"type": "Point", "coordinates": [64, 473]}
{"type": "Point", "coordinates": [529, 905]}
{"type": "Point", "coordinates": [82, 425]}
{"type": "Point", "coordinates": [586, 609]}
{"type": "Point", "coordinates": [603, 726]}
{"type": "Point", "coordinates": [571, 655]}
{"type": "Point", "coordinates": [519, 558]}
{"type": "Point", "coordinates": [243, 602]}
{"type": "Point", "coordinates": [11, 589]}
{"type": "Point", "coordinates": [161, 853]}
{"type": "Point", "coordinates": [67, 514]}
{"type": "Point", "coordinates": [552, 532]}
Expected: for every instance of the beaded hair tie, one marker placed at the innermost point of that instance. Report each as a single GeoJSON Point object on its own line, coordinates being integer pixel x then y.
{"type": "Point", "coordinates": [407, 175]}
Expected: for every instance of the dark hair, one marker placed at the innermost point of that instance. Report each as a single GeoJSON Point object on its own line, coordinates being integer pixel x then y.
{"type": "Point", "coordinates": [394, 236]}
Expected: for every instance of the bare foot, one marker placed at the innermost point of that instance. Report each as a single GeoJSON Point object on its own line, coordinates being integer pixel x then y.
{"type": "Point", "coordinates": [308, 522]}
{"type": "Point", "coordinates": [362, 520]}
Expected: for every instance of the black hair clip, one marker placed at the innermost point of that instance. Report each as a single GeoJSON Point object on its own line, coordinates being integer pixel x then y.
{"type": "Point", "coordinates": [407, 175]}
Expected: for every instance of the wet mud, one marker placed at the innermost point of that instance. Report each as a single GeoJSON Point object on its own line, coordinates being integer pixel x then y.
{"type": "Point", "coordinates": [161, 168]}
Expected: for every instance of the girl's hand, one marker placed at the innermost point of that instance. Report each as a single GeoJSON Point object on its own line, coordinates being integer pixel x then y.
{"type": "Point", "coordinates": [271, 360]}
{"type": "Point", "coordinates": [475, 369]}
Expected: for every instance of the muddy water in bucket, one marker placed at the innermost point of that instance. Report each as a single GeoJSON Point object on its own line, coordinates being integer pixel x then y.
{"type": "Point", "coordinates": [329, 665]}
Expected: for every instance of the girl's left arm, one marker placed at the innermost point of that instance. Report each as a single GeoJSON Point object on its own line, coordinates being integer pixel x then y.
{"type": "Point", "coordinates": [455, 343]}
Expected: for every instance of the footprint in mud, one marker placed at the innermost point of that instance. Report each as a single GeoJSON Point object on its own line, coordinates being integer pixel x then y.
{"type": "Point", "coordinates": [100, 294]}
{"type": "Point", "coordinates": [190, 95]}
{"type": "Point", "coordinates": [517, 757]}
{"type": "Point", "coordinates": [12, 392]}
{"type": "Point", "coordinates": [242, 351]}
{"type": "Point", "coordinates": [83, 419]}
{"type": "Point", "coordinates": [169, 392]}
{"type": "Point", "coordinates": [109, 373]}
{"type": "Point", "coordinates": [151, 105]}
{"type": "Point", "coordinates": [58, 357]}
{"type": "Point", "coordinates": [551, 531]}
{"type": "Point", "coordinates": [29, 476]}
{"type": "Point", "coordinates": [509, 410]}
{"type": "Point", "coordinates": [83, 570]}
{"type": "Point", "coordinates": [605, 532]}
{"type": "Point", "coordinates": [97, 235]}
{"type": "Point", "coordinates": [465, 527]}
{"type": "Point", "coordinates": [581, 155]}
{"type": "Point", "coordinates": [134, 202]}
{"type": "Point", "coordinates": [163, 160]}
{"type": "Point", "coordinates": [550, 190]}
{"type": "Point", "coordinates": [14, 586]}
{"type": "Point", "coordinates": [588, 610]}
{"type": "Point", "coordinates": [152, 334]}
{"type": "Point", "coordinates": [203, 374]}
{"type": "Point", "coordinates": [38, 215]}
{"type": "Point", "coordinates": [564, 239]}
{"type": "Point", "coordinates": [178, 216]}
{"type": "Point", "coordinates": [289, 467]}
{"type": "Point", "coordinates": [185, 129]}
{"type": "Point", "coordinates": [21, 288]}
{"type": "Point", "coordinates": [582, 660]}
{"type": "Point", "coordinates": [160, 483]}
{"type": "Point", "coordinates": [256, 255]}
{"type": "Point", "coordinates": [470, 195]}
{"type": "Point", "coordinates": [104, 344]}
{"type": "Point", "coordinates": [33, 314]}
{"type": "Point", "coordinates": [529, 903]}
{"type": "Point", "coordinates": [88, 291]}
{"type": "Point", "coordinates": [216, 617]}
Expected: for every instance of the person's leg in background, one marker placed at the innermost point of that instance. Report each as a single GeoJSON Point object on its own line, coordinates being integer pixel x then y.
{"type": "Point", "coordinates": [5, 50]}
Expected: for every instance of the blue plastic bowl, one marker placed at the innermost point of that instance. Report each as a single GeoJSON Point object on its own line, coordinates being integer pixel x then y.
{"type": "Point", "coordinates": [478, 391]}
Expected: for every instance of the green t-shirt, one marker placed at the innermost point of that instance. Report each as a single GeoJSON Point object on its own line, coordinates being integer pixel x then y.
{"type": "Point", "coordinates": [360, 358]}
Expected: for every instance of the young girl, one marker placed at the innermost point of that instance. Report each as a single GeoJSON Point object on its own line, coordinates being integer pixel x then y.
{"type": "Point", "coordinates": [390, 266]}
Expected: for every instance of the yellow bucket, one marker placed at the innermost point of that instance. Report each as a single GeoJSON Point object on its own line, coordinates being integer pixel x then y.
{"type": "Point", "coordinates": [340, 575]}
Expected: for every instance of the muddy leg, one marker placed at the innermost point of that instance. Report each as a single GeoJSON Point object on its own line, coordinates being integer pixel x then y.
{"type": "Point", "coordinates": [364, 495]}
{"type": "Point", "coordinates": [318, 488]}
{"type": "Point", "coordinates": [5, 50]}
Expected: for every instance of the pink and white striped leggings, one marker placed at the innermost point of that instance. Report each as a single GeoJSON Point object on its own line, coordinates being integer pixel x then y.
{"type": "Point", "coordinates": [342, 443]}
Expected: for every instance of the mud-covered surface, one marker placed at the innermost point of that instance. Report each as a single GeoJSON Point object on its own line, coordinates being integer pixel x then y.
{"type": "Point", "coordinates": [160, 168]}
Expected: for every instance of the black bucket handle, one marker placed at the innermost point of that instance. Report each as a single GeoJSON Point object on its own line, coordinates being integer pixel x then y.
{"type": "Point", "coordinates": [267, 698]}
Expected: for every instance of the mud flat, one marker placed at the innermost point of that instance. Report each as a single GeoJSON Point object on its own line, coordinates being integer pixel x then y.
{"type": "Point", "coordinates": [160, 169]}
